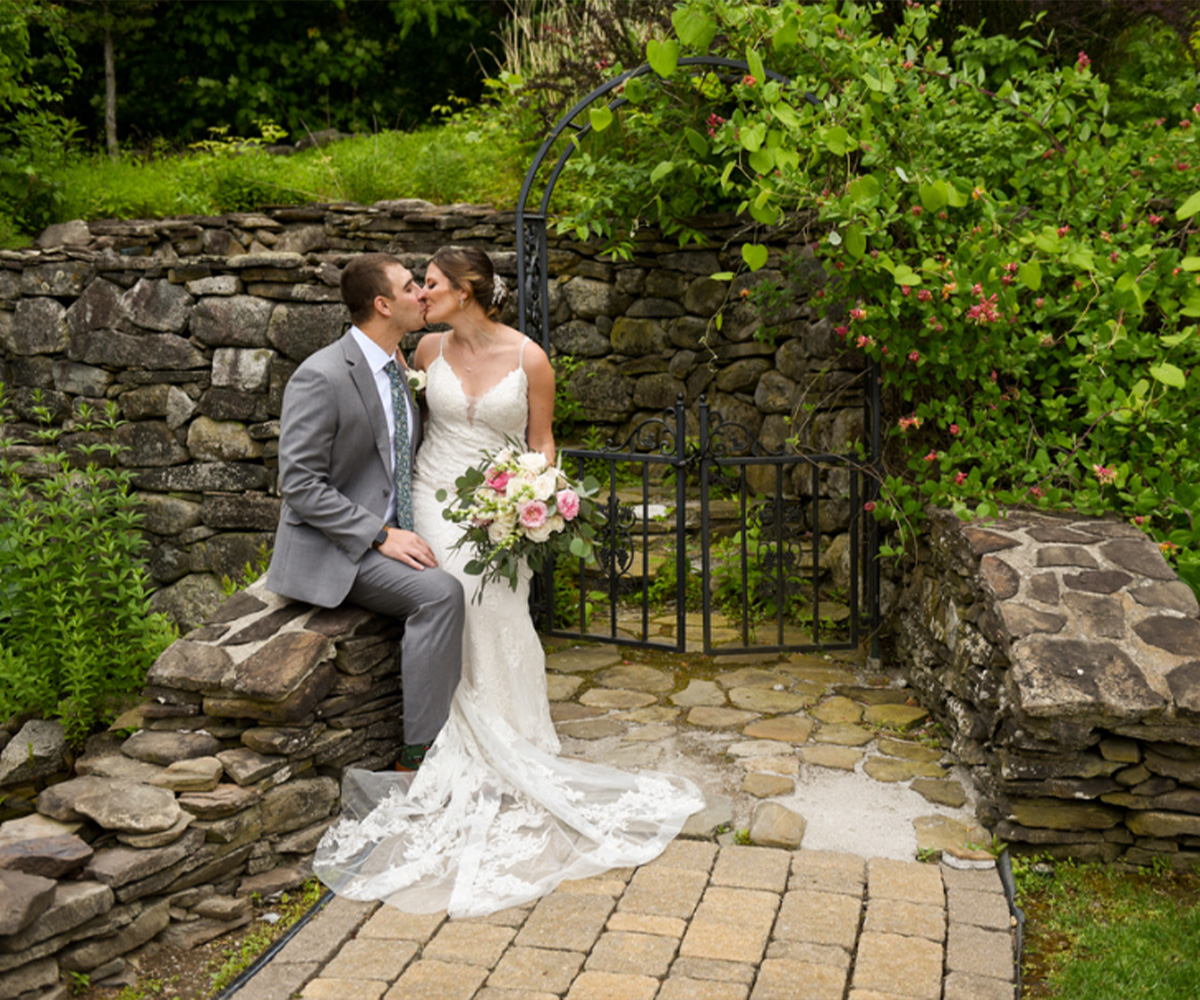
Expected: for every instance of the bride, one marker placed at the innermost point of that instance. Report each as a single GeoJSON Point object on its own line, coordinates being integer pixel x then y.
{"type": "Point", "coordinates": [493, 817]}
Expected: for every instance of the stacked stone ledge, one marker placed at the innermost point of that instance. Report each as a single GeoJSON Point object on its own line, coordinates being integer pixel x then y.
{"type": "Point", "coordinates": [193, 325]}
{"type": "Point", "coordinates": [247, 726]}
{"type": "Point", "coordinates": [1063, 657]}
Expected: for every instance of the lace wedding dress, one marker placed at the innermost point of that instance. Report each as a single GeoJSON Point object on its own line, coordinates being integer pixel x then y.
{"type": "Point", "coordinates": [494, 817]}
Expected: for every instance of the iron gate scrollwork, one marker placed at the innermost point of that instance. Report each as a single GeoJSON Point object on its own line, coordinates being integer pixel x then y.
{"type": "Point", "coordinates": [717, 526]}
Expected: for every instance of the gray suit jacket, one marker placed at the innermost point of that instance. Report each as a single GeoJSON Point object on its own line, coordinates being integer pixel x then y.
{"type": "Point", "coordinates": [335, 462]}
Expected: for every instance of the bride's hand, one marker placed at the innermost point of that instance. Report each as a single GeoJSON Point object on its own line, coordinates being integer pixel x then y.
{"type": "Point", "coordinates": [409, 548]}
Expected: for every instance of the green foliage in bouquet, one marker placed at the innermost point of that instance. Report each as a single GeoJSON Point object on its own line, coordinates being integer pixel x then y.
{"type": "Point", "coordinates": [520, 510]}
{"type": "Point", "coordinates": [76, 631]}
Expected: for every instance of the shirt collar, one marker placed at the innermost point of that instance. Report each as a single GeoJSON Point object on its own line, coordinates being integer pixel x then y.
{"type": "Point", "coordinates": [376, 356]}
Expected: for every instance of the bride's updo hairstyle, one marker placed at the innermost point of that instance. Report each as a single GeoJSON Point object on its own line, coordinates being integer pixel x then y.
{"type": "Point", "coordinates": [469, 269]}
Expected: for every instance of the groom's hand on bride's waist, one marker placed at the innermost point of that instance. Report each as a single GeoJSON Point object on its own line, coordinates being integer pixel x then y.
{"type": "Point", "coordinates": [408, 547]}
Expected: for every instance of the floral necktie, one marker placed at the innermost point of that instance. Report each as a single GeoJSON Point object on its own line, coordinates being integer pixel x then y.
{"type": "Point", "coordinates": [403, 462]}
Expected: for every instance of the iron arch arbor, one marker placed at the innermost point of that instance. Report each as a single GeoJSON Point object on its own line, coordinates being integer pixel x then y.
{"type": "Point", "coordinates": [780, 538]}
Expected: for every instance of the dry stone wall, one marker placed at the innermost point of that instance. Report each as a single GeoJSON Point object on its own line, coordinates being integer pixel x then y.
{"type": "Point", "coordinates": [192, 326]}
{"type": "Point", "coordinates": [1063, 657]}
{"type": "Point", "coordinates": [224, 791]}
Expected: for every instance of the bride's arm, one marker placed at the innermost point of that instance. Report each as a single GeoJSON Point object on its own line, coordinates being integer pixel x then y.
{"type": "Point", "coordinates": [541, 401]}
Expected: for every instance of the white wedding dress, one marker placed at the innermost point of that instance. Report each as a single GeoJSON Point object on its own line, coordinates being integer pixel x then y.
{"type": "Point", "coordinates": [494, 817]}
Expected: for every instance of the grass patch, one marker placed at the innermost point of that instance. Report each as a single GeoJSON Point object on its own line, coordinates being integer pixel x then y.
{"type": "Point", "coordinates": [1092, 933]}
{"type": "Point", "coordinates": [463, 160]}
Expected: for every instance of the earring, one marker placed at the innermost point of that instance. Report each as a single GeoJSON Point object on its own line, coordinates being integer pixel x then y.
{"type": "Point", "coordinates": [462, 303]}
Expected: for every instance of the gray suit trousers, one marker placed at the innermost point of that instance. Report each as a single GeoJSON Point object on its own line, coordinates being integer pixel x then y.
{"type": "Point", "coordinates": [431, 603]}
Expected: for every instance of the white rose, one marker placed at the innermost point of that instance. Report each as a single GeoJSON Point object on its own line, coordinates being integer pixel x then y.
{"type": "Point", "coordinates": [502, 526]}
{"type": "Point", "coordinates": [542, 533]}
{"type": "Point", "coordinates": [545, 485]}
{"type": "Point", "coordinates": [520, 488]}
{"type": "Point", "coordinates": [417, 379]}
{"type": "Point", "coordinates": [532, 461]}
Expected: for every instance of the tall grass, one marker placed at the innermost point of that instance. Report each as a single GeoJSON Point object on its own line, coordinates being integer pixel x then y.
{"type": "Point", "coordinates": [465, 160]}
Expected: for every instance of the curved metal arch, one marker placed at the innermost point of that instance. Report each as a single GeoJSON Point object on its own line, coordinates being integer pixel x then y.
{"type": "Point", "coordinates": [533, 307]}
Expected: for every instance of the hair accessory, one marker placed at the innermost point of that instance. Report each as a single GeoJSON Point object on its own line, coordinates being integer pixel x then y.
{"type": "Point", "coordinates": [499, 290]}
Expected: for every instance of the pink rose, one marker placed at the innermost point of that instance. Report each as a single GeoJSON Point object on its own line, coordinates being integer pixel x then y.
{"type": "Point", "coordinates": [498, 480]}
{"type": "Point", "coordinates": [532, 514]}
{"type": "Point", "coordinates": [568, 504]}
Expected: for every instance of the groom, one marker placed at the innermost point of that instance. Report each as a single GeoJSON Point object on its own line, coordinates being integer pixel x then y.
{"type": "Point", "coordinates": [348, 437]}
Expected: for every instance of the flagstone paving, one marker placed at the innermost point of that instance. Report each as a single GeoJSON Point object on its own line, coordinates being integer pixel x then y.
{"type": "Point", "coordinates": [824, 783]}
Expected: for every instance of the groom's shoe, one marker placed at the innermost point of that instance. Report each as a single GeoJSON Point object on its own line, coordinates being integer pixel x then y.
{"type": "Point", "coordinates": [412, 755]}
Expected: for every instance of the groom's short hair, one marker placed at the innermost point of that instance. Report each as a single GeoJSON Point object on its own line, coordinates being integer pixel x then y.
{"type": "Point", "coordinates": [364, 278]}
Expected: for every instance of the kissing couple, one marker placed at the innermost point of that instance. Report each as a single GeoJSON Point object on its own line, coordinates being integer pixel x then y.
{"type": "Point", "coordinates": [482, 813]}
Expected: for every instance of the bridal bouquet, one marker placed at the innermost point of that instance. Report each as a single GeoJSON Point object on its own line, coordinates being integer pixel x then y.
{"type": "Point", "coordinates": [518, 507]}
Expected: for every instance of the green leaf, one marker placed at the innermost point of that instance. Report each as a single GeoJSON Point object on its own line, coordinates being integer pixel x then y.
{"type": "Point", "coordinates": [695, 28]}
{"type": "Point", "coordinates": [785, 114]}
{"type": "Point", "coordinates": [1191, 307]}
{"type": "Point", "coordinates": [754, 61]}
{"type": "Point", "coordinates": [663, 57]}
{"type": "Point", "coordinates": [856, 242]}
{"type": "Point", "coordinates": [901, 174]}
{"type": "Point", "coordinates": [864, 190]}
{"type": "Point", "coordinates": [601, 117]}
{"type": "Point", "coordinates": [1168, 374]}
{"type": "Point", "coordinates": [838, 141]}
{"type": "Point", "coordinates": [788, 35]}
{"type": "Point", "coordinates": [1190, 263]}
{"type": "Point", "coordinates": [1189, 207]}
{"type": "Point", "coordinates": [1175, 339]}
{"type": "Point", "coordinates": [762, 161]}
{"type": "Point", "coordinates": [580, 548]}
{"type": "Point", "coordinates": [1030, 275]}
{"type": "Point", "coordinates": [721, 276]}
{"type": "Point", "coordinates": [905, 275]}
{"type": "Point", "coordinates": [635, 90]}
{"type": "Point", "coordinates": [934, 196]}
{"type": "Point", "coordinates": [755, 255]}
{"type": "Point", "coordinates": [661, 171]}
{"type": "Point", "coordinates": [696, 141]}
{"type": "Point", "coordinates": [787, 158]}
{"type": "Point", "coordinates": [751, 136]}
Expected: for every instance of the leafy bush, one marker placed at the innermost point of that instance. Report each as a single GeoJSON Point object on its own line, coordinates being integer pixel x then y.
{"type": "Point", "coordinates": [76, 631]}
{"type": "Point", "coordinates": [1022, 265]}
{"type": "Point", "coordinates": [33, 136]}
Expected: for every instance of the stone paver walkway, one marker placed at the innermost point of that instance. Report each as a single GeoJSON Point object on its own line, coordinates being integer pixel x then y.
{"type": "Point", "coordinates": [701, 922]}
{"type": "Point", "coordinates": [850, 915]}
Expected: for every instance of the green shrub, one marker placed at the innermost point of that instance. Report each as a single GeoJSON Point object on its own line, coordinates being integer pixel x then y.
{"type": "Point", "coordinates": [1020, 261]}
{"type": "Point", "coordinates": [76, 631]}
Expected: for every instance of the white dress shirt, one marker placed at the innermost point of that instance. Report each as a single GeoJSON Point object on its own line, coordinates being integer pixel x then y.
{"type": "Point", "coordinates": [377, 359]}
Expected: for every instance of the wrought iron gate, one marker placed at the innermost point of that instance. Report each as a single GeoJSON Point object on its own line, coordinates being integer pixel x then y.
{"type": "Point", "coordinates": [715, 522]}
{"type": "Point", "coordinates": [662, 484]}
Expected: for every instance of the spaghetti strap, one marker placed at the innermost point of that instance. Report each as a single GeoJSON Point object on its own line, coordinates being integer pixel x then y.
{"type": "Point", "coordinates": [441, 346]}
{"type": "Point", "coordinates": [521, 353]}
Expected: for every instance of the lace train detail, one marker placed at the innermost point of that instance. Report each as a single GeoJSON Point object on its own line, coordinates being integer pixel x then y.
{"type": "Point", "coordinates": [494, 817]}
